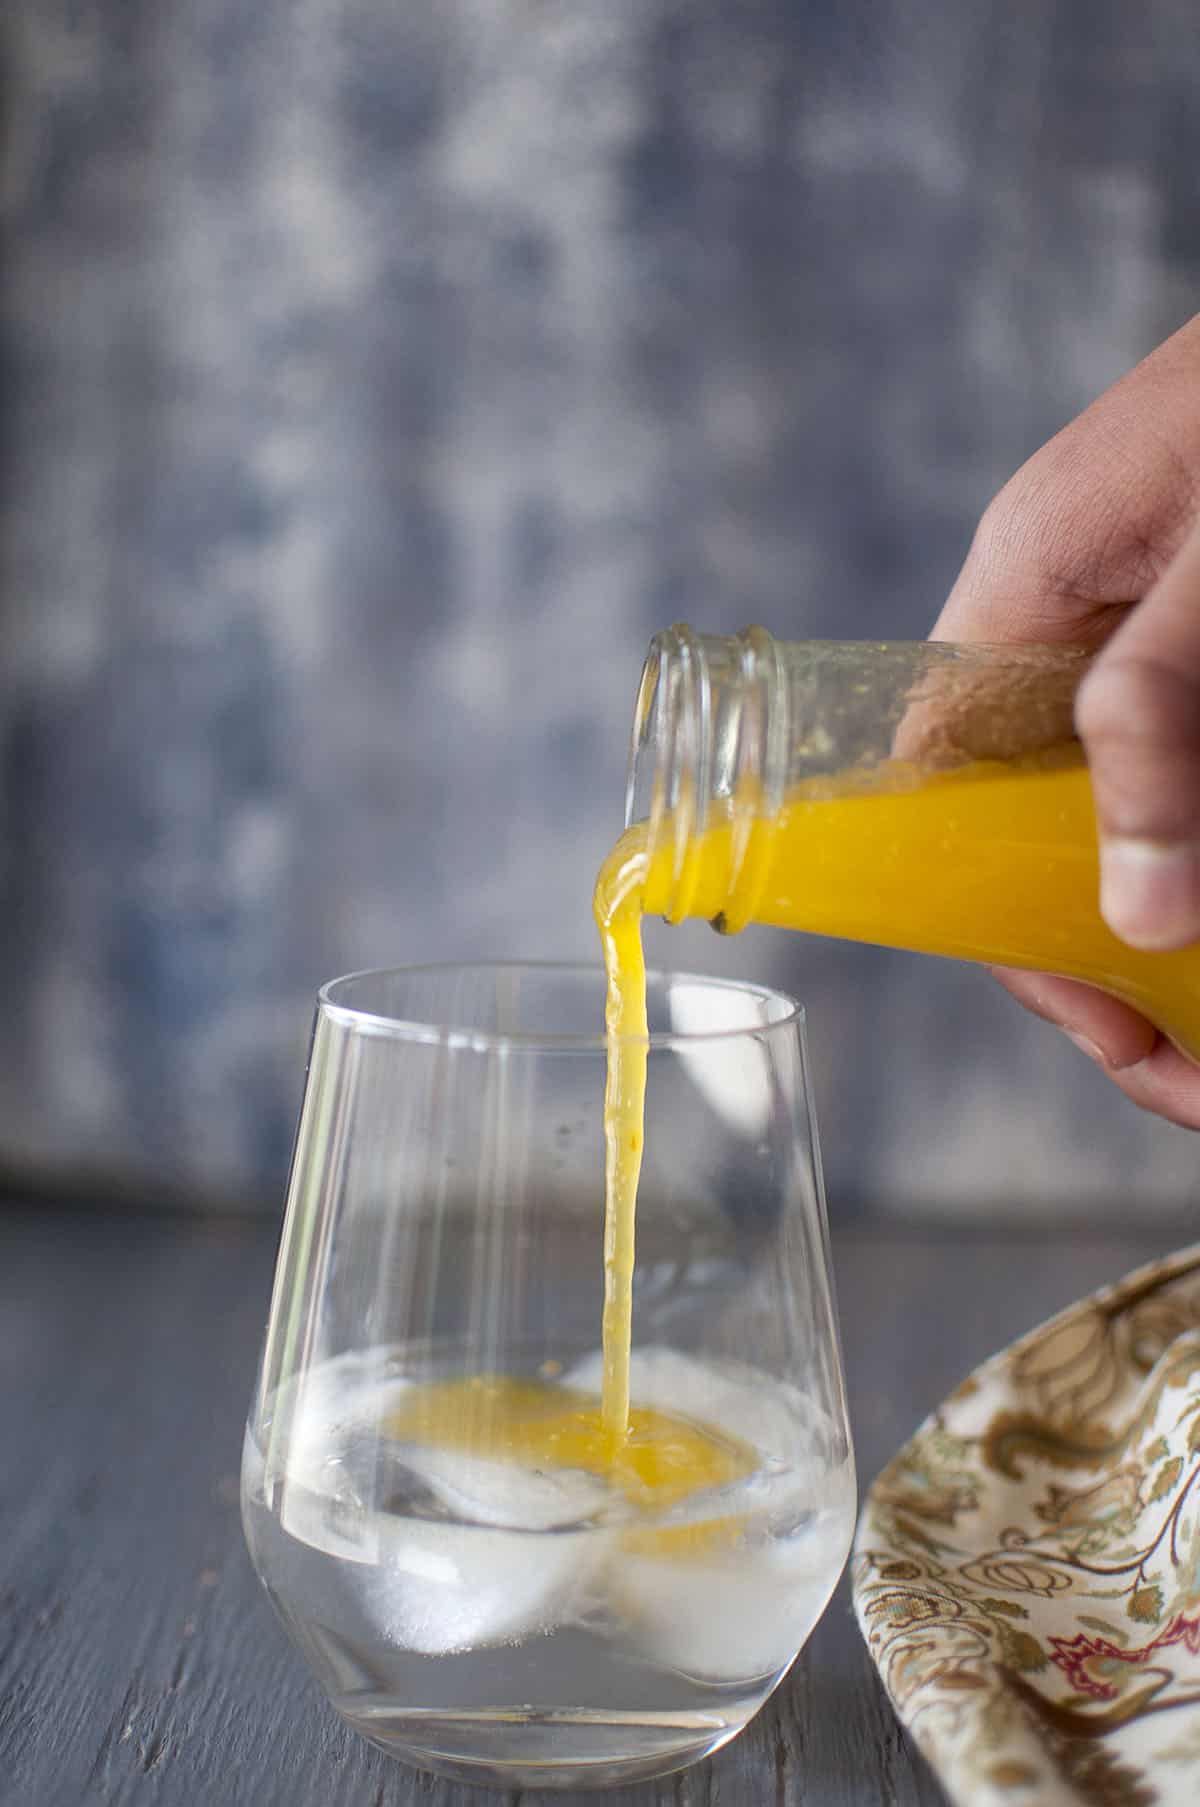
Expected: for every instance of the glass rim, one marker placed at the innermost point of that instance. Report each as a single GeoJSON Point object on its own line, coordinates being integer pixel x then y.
{"type": "Point", "coordinates": [414, 1029]}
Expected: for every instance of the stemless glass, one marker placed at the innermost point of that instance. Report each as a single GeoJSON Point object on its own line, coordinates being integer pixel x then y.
{"type": "Point", "coordinates": [519, 1622]}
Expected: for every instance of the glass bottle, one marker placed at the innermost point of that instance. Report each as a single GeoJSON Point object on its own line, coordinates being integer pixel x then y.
{"type": "Point", "coordinates": [918, 795]}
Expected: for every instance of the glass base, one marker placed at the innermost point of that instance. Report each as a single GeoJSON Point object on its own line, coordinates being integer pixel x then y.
{"type": "Point", "coordinates": [545, 1750]}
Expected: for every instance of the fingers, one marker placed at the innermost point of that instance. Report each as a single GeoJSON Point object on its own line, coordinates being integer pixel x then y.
{"type": "Point", "coordinates": [1093, 519]}
{"type": "Point", "coordinates": [1138, 714]}
{"type": "Point", "coordinates": [1138, 1060]}
{"type": "Point", "coordinates": [1089, 544]}
{"type": "Point", "coordinates": [1107, 1031]}
{"type": "Point", "coordinates": [1167, 1083]}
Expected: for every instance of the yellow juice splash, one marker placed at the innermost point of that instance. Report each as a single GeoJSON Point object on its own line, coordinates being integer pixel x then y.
{"type": "Point", "coordinates": [660, 1459]}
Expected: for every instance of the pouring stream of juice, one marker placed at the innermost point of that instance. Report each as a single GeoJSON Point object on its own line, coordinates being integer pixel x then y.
{"type": "Point", "coordinates": [993, 862]}
{"type": "Point", "coordinates": [618, 905]}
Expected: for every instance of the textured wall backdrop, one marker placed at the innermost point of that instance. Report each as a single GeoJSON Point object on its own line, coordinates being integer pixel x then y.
{"type": "Point", "coordinates": [378, 374]}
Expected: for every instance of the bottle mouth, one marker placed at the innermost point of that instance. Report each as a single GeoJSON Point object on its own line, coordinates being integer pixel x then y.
{"type": "Point", "coordinates": [642, 776]}
{"type": "Point", "coordinates": [709, 746]}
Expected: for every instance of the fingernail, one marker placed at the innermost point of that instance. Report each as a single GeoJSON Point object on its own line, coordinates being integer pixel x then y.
{"type": "Point", "coordinates": [1150, 893]}
{"type": "Point", "coordinates": [1090, 1048]}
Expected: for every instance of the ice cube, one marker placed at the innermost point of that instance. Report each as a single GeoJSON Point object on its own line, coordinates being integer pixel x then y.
{"type": "Point", "coordinates": [733, 1613]}
{"type": "Point", "coordinates": [488, 1492]}
{"type": "Point", "coordinates": [427, 1585]}
{"type": "Point", "coordinates": [729, 1619]}
{"type": "Point", "coordinates": [509, 1572]}
{"type": "Point", "coordinates": [439, 1589]}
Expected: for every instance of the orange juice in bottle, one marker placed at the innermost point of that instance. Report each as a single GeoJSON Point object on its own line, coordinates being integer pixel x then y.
{"type": "Point", "coordinates": [921, 796]}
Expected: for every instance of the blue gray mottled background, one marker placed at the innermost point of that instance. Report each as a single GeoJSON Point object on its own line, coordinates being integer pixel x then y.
{"type": "Point", "coordinates": [379, 375]}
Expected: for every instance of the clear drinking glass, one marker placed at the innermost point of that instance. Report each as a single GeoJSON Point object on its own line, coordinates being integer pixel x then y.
{"type": "Point", "coordinates": [532, 1623]}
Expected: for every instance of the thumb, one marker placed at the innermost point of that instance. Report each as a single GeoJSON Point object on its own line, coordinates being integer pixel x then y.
{"type": "Point", "coordinates": [1138, 714]}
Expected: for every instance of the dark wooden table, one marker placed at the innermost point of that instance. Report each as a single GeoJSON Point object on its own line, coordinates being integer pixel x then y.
{"type": "Point", "coordinates": [139, 1661]}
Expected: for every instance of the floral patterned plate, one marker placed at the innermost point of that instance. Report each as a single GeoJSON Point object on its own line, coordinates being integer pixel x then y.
{"type": "Point", "coordinates": [1027, 1569]}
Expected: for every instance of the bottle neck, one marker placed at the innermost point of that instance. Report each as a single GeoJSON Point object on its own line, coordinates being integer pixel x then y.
{"type": "Point", "coordinates": [708, 769]}
{"type": "Point", "coordinates": [726, 727]}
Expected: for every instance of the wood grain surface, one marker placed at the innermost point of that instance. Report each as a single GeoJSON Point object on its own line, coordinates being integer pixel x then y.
{"type": "Point", "coordinates": [139, 1661]}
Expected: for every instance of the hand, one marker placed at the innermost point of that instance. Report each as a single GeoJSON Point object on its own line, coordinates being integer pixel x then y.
{"type": "Point", "coordinates": [1096, 540]}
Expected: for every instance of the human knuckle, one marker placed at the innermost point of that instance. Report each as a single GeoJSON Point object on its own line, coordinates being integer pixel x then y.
{"type": "Point", "coordinates": [1003, 525]}
{"type": "Point", "coordinates": [1038, 522]}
